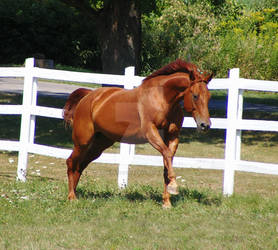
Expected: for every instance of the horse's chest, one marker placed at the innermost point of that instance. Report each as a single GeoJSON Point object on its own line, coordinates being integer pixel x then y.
{"type": "Point", "coordinates": [160, 120]}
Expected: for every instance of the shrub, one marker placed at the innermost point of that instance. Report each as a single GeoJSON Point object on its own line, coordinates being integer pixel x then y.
{"type": "Point", "coordinates": [182, 30]}
{"type": "Point", "coordinates": [251, 44]}
{"type": "Point", "coordinates": [216, 37]}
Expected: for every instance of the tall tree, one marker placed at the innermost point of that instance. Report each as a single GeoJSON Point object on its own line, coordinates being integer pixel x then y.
{"type": "Point", "coordinates": [118, 25]}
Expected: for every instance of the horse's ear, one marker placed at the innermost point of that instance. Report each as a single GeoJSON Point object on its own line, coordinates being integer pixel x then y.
{"type": "Point", "coordinates": [208, 77]}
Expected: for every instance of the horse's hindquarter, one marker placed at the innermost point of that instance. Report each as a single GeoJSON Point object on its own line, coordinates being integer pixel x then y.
{"type": "Point", "coordinates": [116, 116]}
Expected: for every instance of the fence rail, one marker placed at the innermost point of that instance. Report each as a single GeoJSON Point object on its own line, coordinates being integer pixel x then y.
{"type": "Point", "coordinates": [233, 124]}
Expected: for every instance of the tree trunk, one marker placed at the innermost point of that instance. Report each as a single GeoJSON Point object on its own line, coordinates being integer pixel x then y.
{"type": "Point", "coordinates": [119, 34]}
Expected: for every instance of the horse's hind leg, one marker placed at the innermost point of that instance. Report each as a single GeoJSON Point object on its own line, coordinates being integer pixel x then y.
{"type": "Point", "coordinates": [81, 157]}
{"type": "Point", "coordinates": [99, 143]}
{"type": "Point", "coordinates": [74, 170]}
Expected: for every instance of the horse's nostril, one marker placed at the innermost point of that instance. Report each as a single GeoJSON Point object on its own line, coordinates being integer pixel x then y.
{"type": "Point", "coordinates": [204, 126]}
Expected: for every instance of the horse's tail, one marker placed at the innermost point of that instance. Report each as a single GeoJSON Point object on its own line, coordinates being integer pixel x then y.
{"type": "Point", "coordinates": [71, 103]}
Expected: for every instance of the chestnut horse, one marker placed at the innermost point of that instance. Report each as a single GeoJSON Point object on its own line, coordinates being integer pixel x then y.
{"type": "Point", "coordinates": [149, 113]}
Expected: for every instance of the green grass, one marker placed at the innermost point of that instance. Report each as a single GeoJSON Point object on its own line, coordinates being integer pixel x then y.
{"type": "Point", "coordinates": [37, 215]}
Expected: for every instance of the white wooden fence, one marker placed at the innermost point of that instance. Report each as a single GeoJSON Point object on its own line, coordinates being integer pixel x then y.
{"type": "Point", "coordinates": [233, 124]}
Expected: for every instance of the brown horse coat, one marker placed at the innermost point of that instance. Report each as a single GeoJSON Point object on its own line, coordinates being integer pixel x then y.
{"type": "Point", "coordinates": [150, 113]}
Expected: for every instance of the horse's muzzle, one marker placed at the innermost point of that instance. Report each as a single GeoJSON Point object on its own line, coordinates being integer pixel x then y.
{"type": "Point", "coordinates": [203, 127]}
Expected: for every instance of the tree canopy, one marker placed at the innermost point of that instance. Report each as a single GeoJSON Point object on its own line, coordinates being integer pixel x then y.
{"type": "Point", "coordinates": [108, 35]}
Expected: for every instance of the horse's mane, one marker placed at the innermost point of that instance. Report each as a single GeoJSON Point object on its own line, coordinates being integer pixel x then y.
{"type": "Point", "coordinates": [177, 66]}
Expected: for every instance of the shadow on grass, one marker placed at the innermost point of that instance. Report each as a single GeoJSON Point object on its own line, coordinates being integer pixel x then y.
{"type": "Point", "coordinates": [211, 137]}
{"type": "Point", "coordinates": [143, 193]}
{"type": "Point", "coordinates": [203, 197]}
{"type": "Point", "coordinates": [268, 139]}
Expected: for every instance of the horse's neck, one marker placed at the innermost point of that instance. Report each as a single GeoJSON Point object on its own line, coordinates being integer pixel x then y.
{"type": "Point", "coordinates": [179, 81]}
{"type": "Point", "coordinates": [171, 88]}
{"type": "Point", "coordinates": [175, 88]}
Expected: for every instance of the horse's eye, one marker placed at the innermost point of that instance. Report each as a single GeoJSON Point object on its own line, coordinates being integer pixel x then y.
{"type": "Point", "coordinates": [195, 97]}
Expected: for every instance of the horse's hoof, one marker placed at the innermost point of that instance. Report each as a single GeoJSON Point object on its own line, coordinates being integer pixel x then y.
{"type": "Point", "coordinates": [71, 197]}
{"type": "Point", "coordinates": [166, 206]}
{"type": "Point", "coordinates": [172, 188]}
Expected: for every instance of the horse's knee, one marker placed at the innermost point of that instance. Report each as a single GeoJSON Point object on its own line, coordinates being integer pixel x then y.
{"type": "Point", "coordinates": [169, 174]}
{"type": "Point", "coordinates": [167, 153]}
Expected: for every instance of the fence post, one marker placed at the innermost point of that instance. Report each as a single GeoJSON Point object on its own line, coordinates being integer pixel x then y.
{"type": "Point", "coordinates": [233, 135]}
{"type": "Point", "coordinates": [33, 103]}
{"type": "Point", "coordinates": [126, 150]}
{"type": "Point", "coordinates": [27, 127]}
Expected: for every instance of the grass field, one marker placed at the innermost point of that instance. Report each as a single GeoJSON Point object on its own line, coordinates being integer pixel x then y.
{"type": "Point", "coordinates": [37, 215]}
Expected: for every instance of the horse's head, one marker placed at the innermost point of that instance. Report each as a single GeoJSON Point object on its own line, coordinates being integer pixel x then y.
{"type": "Point", "coordinates": [196, 100]}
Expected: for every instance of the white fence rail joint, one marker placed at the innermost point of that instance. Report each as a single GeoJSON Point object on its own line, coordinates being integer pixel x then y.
{"type": "Point", "coordinates": [233, 124]}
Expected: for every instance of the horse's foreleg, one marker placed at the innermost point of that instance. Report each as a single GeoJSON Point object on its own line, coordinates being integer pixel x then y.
{"type": "Point", "coordinates": [172, 145]}
{"type": "Point", "coordinates": [156, 141]}
{"type": "Point", "coordinates": [166, 194]}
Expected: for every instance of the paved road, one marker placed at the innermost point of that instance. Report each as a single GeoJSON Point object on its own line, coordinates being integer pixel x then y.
{"type": "Point", "coordinates": [44, 88]}
{"type": "Point", "coordinates": [63, 90]}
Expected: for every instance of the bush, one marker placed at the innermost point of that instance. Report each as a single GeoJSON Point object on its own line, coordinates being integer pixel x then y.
{"type": "Point", "coordinates": [215, 35]}
{"type": "Point", "coordinates": [251, 44]}
{"type": "Point", "coordinates": [182, 30]}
